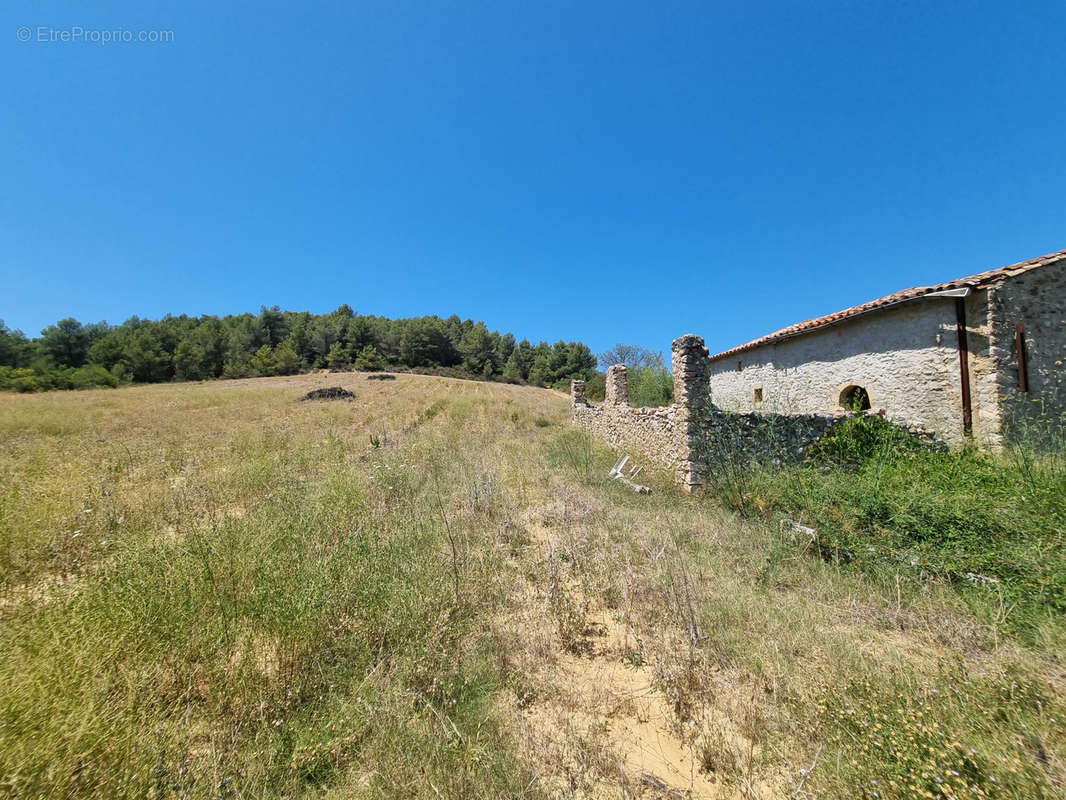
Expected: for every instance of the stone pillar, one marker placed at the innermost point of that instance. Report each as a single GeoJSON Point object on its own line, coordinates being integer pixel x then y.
{"type": "Point", "coordinates": [692, 397]}
{"type": "Point", "coordinates": [692, 375]}
{"type": "Point", "coordinates": [617, 388]}
{"type": "Point", "coordinates": [577, 393]}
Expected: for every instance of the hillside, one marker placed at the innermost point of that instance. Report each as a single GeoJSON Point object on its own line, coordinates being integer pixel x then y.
{"type": "Point", "coordinates": [217, 590]}
{"type": "Point", "coordinates": [71, 355]}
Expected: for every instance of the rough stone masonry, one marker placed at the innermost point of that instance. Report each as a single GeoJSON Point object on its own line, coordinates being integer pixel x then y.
{"type": "Point", "coordinates": [685, 437]}
{"type": "Point", "coordinates": [666, 435]}
{"type": "Point", "coordinates": [975, 360]}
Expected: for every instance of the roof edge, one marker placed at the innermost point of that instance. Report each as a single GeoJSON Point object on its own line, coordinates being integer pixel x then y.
{"type": "Point", "coordinates": [980, 280]}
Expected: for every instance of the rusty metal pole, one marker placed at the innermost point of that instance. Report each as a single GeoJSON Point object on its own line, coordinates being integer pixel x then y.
{"type": "Point", "coordinates": [1023, 357]}
{"type": "Point", "coordinates": [964, 366]}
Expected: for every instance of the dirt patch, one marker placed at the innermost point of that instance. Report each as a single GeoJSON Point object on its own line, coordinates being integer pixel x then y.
{"type": "Point", "coordinates": [595, 701]}
{"type": "Point", "coordinates": [635, 718]}
{"type": "Point", "coordinates": [331, 393]}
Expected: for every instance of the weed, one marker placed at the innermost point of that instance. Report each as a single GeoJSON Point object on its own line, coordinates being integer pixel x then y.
{"type": "Point", "coordinates": [433, 409]}
{"type": "Point", "coordinates": [246, 608]}
{"type": "Point", "coordinates": [885, 502]}
{"type": "Point", "coordinates": [936, 738]}
{"type": "Point", "coordinates": [256, 603]}
{"type": "Point", "coordinates": [570, 614]}
{"type": "Point", "coordinates": [859, 439]}
{"type": "Point", "coordinates": [575, 449]}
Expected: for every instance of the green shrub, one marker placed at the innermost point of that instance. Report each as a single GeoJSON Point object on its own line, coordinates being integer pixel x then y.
{"type": "Point", "coordinates": [263, 362]}
{"type": "Point", "coordinates": [596, 387]}
{"type": "Point", "coordinates": [651, 386]}
{"type": "Point", "coordinates": [92, 376]}
{"type": "Point", "coordinates": [993, 525]}
{"type": "Point", "coordinates": [369, 359]}
{"type": "Point", "coordinates": [286, 359]}
{"type": "Point", "coordinates": [20, 379]}
{"type": "Point", "coordinates": [860, 438]}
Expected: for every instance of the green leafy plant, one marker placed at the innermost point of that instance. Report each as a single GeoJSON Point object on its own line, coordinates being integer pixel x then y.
{"type": "Point", "coordinates": [859, 439]}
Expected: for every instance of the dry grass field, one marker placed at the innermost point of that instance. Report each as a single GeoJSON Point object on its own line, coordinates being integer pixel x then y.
{"type": "Point", "coordinates": [214, 590]}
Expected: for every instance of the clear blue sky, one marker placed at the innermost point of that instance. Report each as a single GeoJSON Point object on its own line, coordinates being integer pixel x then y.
{"type": "Point", "coordinates": [595, 171]}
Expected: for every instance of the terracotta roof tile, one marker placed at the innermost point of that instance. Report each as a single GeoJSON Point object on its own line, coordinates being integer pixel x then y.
{"type": "Point", "coordinates": [979, 281]}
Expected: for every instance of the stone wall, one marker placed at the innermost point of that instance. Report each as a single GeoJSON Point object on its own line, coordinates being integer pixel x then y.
{"type": "Point", "coordinates": [692, 401]}
{"type": "Point", "coordinates": [652, 432]}
{"type": "Point", "coordinates": [727, 439]}
{"type": "Point", "coordinates": [663, 435]}
{"type": "Point", "coordinates": [691, 437]}
{"type": "Point", "coordinates": [774, 400]}
{"type": "Point", "coordinates": [906, 358]}
{"type": "Point", "coordinates": [616, 390]}
{"type": "Point", "coordinates": [984, 395]}
{"type": "Point", "coordinates": [1036, 300]}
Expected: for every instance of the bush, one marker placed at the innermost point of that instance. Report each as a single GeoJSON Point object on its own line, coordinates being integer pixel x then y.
{"type": "Point", "coordinates": [339, 357]}
{"type": "Point", "coordinates": [43, 377]}
{"type": "Point", "coordinates": [286, 360]}
{"type": "Point", "coordinates": [264, 362]}
{"type": "Point", "coordinates": [92, 376]}
{"type": "Point", "coordinates": [20, 379]}
{"type": "Point", "coordinates": [860, 438]}
{"type": "Point", "coordinates": [369, 359]}
{"type": "Point", "coordinates": [650, 386]}
{"type": "Point", "coordinates": [894, 507]}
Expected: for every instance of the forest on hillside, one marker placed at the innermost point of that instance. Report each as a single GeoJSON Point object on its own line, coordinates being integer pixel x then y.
{"type": "Point", "coordinates": [73, 355]}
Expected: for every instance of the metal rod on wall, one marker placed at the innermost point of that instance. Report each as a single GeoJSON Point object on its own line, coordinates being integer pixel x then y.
{"type": "Point", "coordinates": [1023, 357]}
{"type": "Point", "coordinates": [964, 365]}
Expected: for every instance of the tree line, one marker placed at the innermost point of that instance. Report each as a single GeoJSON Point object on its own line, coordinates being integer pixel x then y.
{"type": "Point", "coordinates": [71, 355]}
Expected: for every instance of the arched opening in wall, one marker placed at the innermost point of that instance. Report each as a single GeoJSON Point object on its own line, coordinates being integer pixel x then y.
{"type": "Point", "coordinates": [855, 398]}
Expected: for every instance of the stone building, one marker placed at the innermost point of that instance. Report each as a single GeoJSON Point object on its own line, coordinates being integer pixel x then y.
{"type": "Point", "coordinates": [955, 358]}
{"type": "Point", "coordinates": [958, 360]}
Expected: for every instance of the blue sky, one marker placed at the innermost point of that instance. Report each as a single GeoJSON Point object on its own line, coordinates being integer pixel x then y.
{"type": "Point", "coordinates": [594, 171]}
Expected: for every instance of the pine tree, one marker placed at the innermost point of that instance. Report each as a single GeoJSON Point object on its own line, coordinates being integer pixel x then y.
{"type": "Point", "coordinates": [339, 356]}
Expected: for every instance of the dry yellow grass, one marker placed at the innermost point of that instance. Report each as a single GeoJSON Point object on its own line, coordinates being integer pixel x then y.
{"type": "Point", "coordinates": [215, 590]}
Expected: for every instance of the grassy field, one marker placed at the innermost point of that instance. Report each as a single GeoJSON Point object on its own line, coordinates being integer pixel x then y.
{"type": "Point", "coordinates": [993, 525]}
{"type": "Point", "coordinates": [215, 590]}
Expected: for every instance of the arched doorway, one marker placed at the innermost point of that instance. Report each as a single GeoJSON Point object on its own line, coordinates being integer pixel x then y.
{"type": "Point", "coordinates": [854, 398]}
